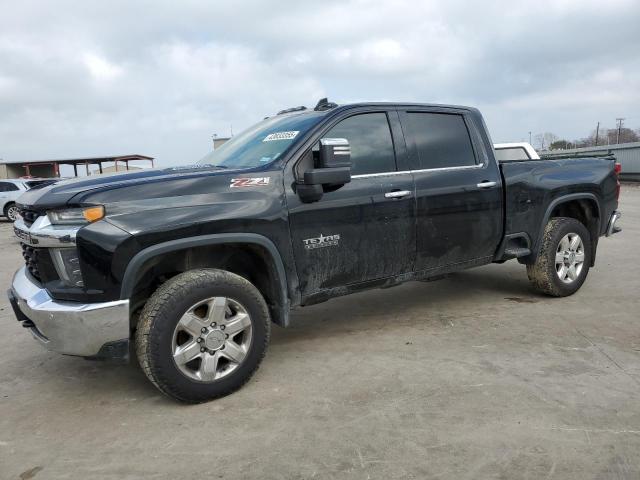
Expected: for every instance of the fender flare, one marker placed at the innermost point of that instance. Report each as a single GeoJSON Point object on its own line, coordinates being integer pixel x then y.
{"type": "Point", "coordinates": [558, 201]}
{"type": "Point", "coordinates": [281, 315]}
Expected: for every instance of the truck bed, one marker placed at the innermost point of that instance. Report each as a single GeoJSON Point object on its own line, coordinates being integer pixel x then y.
{"type": "Point", "coordinates": [532, 187]}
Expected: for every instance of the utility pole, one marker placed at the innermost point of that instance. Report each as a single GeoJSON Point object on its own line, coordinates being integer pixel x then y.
{"type": "Point", "coordinates": [619, 122]}
{"type": "Point", "coordinates": [597, 132]}
{"type": "Point", "coordinates": [529, 138]}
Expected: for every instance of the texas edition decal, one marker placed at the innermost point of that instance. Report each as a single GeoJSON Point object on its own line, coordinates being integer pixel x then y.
{"type": "Point", "coordinates": [321, 241]}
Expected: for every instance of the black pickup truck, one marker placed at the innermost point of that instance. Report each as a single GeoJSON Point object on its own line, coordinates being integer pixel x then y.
{"type": "Point", "coordinates": [192, 264]}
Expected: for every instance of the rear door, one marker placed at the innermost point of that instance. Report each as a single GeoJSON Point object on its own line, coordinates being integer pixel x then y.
{"type": "Point", "coordinates": [365, 230]}
{"type": "Point", "coordinates": [458, 190]}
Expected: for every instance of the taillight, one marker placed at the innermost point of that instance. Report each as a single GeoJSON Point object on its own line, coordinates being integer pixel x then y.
{"type": "Point", "coordinates": [617, 168]}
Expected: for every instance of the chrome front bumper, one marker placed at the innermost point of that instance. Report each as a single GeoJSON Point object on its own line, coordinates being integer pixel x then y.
{"type": "Point", "coordinates": [70, 328]}
{"type": "Point", "coordinates": [611, 227]}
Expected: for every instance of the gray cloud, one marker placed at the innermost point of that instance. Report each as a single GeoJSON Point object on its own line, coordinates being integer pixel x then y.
{"type": "Point", "coordinates": [158, 78]}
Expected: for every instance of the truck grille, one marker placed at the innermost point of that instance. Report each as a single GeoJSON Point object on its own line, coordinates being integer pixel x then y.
{"type": "Point", "coordinates": [30, 255]}
{"type": "Point", "coordinates": [29, 216]}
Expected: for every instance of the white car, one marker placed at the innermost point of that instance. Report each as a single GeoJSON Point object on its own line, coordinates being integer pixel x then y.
{"type": "Point", "coordinates": [515, 151]}
{"type": "Point", "coordinates": [11, 189]}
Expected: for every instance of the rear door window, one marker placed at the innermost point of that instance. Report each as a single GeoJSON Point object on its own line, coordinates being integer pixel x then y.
{"type": "Point", "coordinates": [441, 140]}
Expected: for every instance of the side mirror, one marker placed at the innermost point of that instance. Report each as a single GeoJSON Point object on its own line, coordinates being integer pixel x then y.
{"type": "Point", "coordinates": [333, 170]}
{"type": "Point", "coordinates": [335, 152]}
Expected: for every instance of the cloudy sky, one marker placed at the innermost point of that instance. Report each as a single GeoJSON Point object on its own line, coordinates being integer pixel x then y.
{"type": "Point", "coordinates": [159, 78]}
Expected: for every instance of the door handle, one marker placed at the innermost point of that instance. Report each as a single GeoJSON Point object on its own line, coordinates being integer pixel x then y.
{"type": "Point", "coordinates": [487, 184]}
{"type": "Point", "coordinates": [397, 194]}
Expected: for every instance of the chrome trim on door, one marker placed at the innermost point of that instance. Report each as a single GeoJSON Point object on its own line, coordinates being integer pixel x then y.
{"type": "Point", "coordinates": [369, 175]}
{"type": "Point", "coordinates": [442, 169]}
{"type": "Point", "coordinates": [487, 184]}
{"type": "Point", "coordinates": [397, 194]}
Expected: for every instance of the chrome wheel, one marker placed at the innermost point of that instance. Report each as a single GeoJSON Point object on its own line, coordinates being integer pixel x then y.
{"type": "Point", "coordinates": [212, 339]}
{"type": "Point", "coordinates": [569, 257]}
{"type": "Point", "coordinates": [12, 213]}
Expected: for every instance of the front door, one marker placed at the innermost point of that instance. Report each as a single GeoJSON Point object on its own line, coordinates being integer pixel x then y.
{"type": "Point", "coordinates": [365, 230]}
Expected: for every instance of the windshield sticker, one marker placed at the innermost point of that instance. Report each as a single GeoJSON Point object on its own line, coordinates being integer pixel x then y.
{"type": "Point", "coordinates": [249, 182]}
{"type": "Point", "coordinates": [281, 136]}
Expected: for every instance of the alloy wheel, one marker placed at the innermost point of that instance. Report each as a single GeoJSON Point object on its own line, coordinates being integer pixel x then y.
{"type": "Point", "coordinates": [12, 213]}
{"type": "Point", "coordinates": [212, 339]}
{"type": "Point", "coordinates": [570, 257]}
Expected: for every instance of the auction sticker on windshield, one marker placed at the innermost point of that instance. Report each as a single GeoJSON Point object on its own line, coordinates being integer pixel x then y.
{"type": "Point", "coordinates": [281, 136]}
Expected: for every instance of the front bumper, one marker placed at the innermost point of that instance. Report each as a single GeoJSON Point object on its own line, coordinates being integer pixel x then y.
{"type": "Point", "coordinates": [98, 330]}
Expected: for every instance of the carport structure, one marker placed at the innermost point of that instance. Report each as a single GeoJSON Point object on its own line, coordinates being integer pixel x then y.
{"type": "Point", "coordinates": [51, 168]}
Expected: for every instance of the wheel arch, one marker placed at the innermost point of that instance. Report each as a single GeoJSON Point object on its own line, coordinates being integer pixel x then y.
{"type": "Point", "coordinates": [240, 253]}
{"type": "Point", "coordinates": [584, 207]}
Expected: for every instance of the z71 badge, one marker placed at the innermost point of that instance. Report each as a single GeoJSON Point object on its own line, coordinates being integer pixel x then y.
{"type": "Point", "coordinates": [249, 182]}
{"type": "Point", "coordinates": [321, 241]}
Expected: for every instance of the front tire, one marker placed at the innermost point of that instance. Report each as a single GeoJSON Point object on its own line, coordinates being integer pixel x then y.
{"type": "Point", "coordinates": [564, 259]}
{"type": "Point", "coordinates": [11, 211]}
{"type": "Point", "coordinates": [202, 335]}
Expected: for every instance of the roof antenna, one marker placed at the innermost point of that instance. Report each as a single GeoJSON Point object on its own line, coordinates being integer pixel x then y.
{"type": "Point", "coordinates": [324, 104]}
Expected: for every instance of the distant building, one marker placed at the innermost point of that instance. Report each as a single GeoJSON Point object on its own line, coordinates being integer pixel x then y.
{"type": "Point", "coordinates": [112, 169]}
{"type": "Point", "coordinates": [51, 168]}
{"type": "Point", "coordinates": [627, 154]}
{"type": "Point", "coordinates": [219, 141]}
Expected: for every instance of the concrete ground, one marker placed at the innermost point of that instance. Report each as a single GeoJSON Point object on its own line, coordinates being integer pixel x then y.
{"type": "Point", "coordinates": [472, 377]}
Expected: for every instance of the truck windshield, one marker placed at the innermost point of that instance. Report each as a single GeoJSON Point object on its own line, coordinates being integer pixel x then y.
{"type": "Point", "coordinates": [262, 143]}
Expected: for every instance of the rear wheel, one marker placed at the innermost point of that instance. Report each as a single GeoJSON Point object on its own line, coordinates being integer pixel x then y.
{"type": "Point", "coordinates": [202, 335]}
{"type": "Point", "coordinates": [564, 259]}
{"type": "Point", "coordinates": [11, 211]}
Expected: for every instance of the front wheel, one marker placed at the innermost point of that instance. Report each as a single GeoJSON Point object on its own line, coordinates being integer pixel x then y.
{"type": "Point", "coordinates": [11, 212]}
{"type": "Point", "coordinates": [564, 259]}
{"type": "Point", "coordinates": [202, 335]}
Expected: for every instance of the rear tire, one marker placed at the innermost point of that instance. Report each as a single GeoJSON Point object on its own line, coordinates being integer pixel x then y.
{"type": "Point", "coordinates": [202, 335]}
{"type": "Point", "coordinates": [564, 258]}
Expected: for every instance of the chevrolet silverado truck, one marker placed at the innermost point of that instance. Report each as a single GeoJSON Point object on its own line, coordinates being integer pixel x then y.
{"type": "Point", "coordinates": [190, 266]}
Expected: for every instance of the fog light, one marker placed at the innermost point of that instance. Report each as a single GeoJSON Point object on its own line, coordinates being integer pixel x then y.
{"type": "Point", "coordinates": [67, 265]}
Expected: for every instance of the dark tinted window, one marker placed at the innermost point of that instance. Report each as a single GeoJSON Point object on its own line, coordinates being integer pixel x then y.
{"type": "Point", "coordinates": [514, 153]}
{"type": "Point", "coordinates": [441, 139]}
{"type": "Point", "coordinates": [8, 187]}
{"type": "Point", "coordinates": [370, 140]}
{"type": "Point", "coordinates": [40, 183]}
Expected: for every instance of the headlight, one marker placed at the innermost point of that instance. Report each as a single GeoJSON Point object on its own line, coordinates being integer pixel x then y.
{"type": "Point", "coordinates": [76, 216]}
{"type": "Point", "coordinates": [67, 265]}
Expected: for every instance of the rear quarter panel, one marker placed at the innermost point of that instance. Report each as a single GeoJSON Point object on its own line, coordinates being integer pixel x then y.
{"type": "Point", "coordinates": [531, 187]}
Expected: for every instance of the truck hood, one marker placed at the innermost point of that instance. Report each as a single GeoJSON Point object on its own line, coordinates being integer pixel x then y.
{"type": "Point", "coordinates": [77, 190]}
